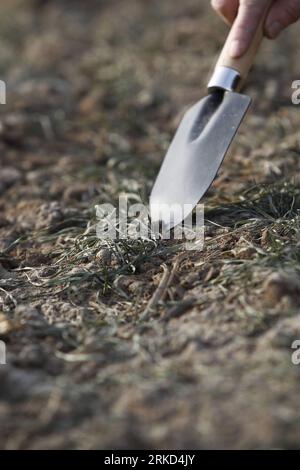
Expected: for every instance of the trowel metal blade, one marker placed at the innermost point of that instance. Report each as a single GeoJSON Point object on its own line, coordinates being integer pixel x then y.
{"type": "Point", "coordinates": [195, 155]}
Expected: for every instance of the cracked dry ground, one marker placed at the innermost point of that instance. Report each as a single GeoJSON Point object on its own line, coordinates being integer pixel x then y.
{"type": "Point", "coordinates": [95, 92]}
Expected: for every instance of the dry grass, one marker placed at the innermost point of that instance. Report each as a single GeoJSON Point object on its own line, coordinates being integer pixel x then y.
{"type": "Point", "coordinates": [136, 343]}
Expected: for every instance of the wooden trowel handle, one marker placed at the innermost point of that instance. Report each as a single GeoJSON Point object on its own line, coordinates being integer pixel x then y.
{"type": "Point", "coordinates": [243, 64]}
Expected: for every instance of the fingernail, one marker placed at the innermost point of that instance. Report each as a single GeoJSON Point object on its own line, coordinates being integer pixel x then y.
{"type": "Point", "coordinates": [236, 49]}
{"type": "Point", "coordinates": [274, 29]}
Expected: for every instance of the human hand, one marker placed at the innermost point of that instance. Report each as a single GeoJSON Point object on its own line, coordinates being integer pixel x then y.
{"type": "Point", "coordinates": [248, 14]}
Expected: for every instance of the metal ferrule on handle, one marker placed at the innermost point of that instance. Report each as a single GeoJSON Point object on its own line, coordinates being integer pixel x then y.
{"type": "Point", "coordinates": [225, 78]}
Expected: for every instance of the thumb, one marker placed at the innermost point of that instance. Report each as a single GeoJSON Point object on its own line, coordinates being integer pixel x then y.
{"type": "Point", "coordinates": [282, 14]}
{"type": "Point", "coordinates": [245, 26]}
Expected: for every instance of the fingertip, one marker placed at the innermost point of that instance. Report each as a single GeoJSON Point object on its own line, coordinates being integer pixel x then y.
{"type": "Point", "coordinates": [282, 14]}
{"type": "Point", "coordinates": [237, 49]}
{"type": "Point", "coordinates": [273, 29]}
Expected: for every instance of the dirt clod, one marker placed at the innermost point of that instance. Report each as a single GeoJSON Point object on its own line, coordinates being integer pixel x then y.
{"type": "Point", "coordinates": [279, 286]}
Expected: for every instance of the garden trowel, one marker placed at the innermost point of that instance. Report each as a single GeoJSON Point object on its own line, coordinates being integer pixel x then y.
{"type": "Point", "coordinates": [203, 138]}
